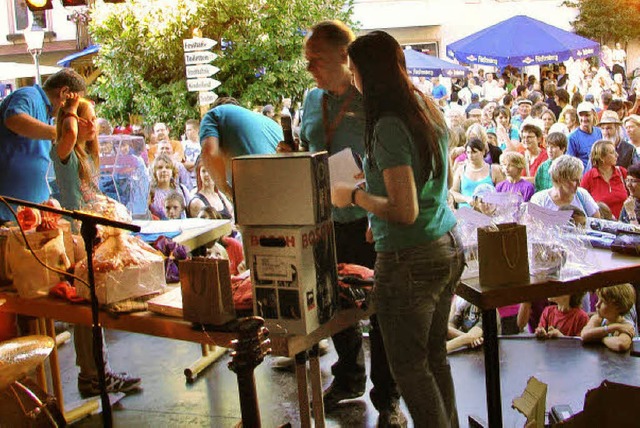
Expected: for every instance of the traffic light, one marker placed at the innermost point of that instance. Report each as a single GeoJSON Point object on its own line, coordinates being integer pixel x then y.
{"type": "Point", "coordinates": [71, 3]}
{"type": "Point", "coordinates": [38, 5]}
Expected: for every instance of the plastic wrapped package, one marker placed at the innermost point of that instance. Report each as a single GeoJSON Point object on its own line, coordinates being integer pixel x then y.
{"type": "Point", "coordinates": [123, 172]}
{"type": "Point", "coordinates": [557, 251]}
{"type": "Point", "coordinates": [125, 267]}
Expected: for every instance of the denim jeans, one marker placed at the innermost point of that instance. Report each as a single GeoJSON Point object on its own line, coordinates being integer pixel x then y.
{"type": "Point", "coordinates": [412, 297]}
{"type": "Point", "coordinates": [349, 371]}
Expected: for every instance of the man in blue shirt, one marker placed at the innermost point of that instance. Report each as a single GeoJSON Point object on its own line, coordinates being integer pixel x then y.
{"type": "Point", "coordinates": [26, 134]}
{"type": "Point", "coordinates": [439, 91]}
{"type": "Point", "coordinates": [581, 140]}
{"type": "Point", "coordinates": [229, 130]}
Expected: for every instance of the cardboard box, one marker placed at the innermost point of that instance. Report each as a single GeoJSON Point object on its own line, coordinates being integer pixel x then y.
{"type": "Point", "coordinates": [294, 275]}
{"type": "Point", "coordinates": [282, 189]}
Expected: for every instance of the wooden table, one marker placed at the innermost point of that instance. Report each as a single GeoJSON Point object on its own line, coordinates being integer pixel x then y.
{"type": "Point", "coordinates": [613, 269]}
{"type": "Point", "coordinates": [173, 328]}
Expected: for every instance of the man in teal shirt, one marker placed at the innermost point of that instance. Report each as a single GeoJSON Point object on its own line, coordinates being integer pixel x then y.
{"type": "Point", "coordinates": [229, 130]}
{"type": "Point", "coordinates": [333, 120]}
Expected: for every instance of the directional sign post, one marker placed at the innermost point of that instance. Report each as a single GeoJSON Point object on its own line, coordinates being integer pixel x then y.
{"type": "Point", "coordinates": [197, 56]}
{"type": "Point", "coordinates": [202, 70]}
{"type": "Point", "coordinates": [206, 98]}
{"type": "Point", "coordinates": [206, 84]}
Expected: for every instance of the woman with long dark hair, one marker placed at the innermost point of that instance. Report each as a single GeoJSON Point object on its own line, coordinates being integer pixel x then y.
{"type": "Point", "coordinates": [419, 254]}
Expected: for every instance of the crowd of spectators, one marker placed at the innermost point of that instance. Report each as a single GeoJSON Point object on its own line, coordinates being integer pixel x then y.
{"type": "Point", "coordinates": [564, 141]}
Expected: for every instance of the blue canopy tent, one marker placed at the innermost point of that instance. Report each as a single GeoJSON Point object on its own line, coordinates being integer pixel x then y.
{"type": "Point", "coordinates": [66, 61]}
{"type": "Point", "coordinates": [420, 64]}
{"type": "Point", "coordinates": [521, 41]}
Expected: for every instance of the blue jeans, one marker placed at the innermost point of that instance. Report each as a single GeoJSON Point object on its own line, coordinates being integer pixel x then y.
{"type": "Point", "coordinates": [412, 297]}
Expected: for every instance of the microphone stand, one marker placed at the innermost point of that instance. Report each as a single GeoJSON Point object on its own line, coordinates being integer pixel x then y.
{"type": "Point", "coordinates": [89, 231]}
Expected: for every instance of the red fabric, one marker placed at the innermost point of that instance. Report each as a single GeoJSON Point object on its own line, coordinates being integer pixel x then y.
{"type": "Point", "coordinates": [612, 193]}
{"type": "Point", "coordinates": [533, 168]}
{"type": "Point", "coordinates": [569, 323]}
{"type": "Point", "coordinates": [235, 252]}
{"type": "Point", "coordinates": [64, 290]}
{"type": "Point", "coordinates": [348, 269]}
{"type": "Point", "coordinates": [355, 283]}
{"type": "Point", "coordinates": [242, 291]}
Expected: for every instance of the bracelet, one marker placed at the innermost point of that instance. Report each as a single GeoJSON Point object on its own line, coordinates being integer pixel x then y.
{"type": "Point", "coordinates": [353, 196]}
{"type": "Point", "coordinates": [606, 329]}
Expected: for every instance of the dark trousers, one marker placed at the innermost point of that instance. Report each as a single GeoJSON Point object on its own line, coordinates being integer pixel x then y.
{"type": "Point", "coordinates": [349, 371]}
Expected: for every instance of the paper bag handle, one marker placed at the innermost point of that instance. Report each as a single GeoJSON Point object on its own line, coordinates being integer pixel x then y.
{"type": "Point", "coordinates": [505, 254]}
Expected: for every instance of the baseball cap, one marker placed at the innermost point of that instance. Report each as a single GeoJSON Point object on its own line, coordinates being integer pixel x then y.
{"type": "Point", "coordinates": [609, 116]}
{"type": "Point", "coordinates": [585, 107]}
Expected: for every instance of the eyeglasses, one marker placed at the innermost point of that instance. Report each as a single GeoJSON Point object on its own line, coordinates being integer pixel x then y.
{"type": "Point", "coordinates": [632, 181]}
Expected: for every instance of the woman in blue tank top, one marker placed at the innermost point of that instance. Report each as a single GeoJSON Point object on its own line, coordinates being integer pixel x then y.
{"type": "Point", "coordinates": [474, 173]}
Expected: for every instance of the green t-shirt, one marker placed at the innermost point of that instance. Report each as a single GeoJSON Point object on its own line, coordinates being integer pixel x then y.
{"type": "Point", "coordinates": [393, 146]}
{"type": "Point", "coordinates": [349, 132]}
{"type": "Point", "coordinates": [542, 180]}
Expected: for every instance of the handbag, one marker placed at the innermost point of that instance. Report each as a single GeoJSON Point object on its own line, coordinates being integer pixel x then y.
{"type": "Point", "coordinates": [206, 291]}
{"type": "Point", "coordinates": [502, 255]}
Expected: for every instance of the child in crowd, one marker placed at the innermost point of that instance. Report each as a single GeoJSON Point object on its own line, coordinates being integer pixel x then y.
{"type": "Point", "coordinates": [513, 164]}
{"type": "Point", "coordinates": [556, 146]}
{"type": "Point", "coordinates": [174, 207]}
{"type": "Point", "coordinates": [76, 162]}
{"type": "Point", "coordinates": [465, 325]}
{"type": "Point", "coordinates": [164, 180]}
{"type": "Point", "coordinates": [565, 318]}
{"type": "Point", "coordinates": [609, 325]}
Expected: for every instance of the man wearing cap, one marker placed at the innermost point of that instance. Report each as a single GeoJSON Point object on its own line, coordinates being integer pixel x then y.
{"type": "Point", "coordinates": [581, 140]}
{"type": "Point", "coordinates": [475, 103]}
{"type": "Point", "coordinates": [632, 126]}
{"type": "Point", "coordinates": [524, 110]}
{"type": "Point", "coordinates": [610, 127]}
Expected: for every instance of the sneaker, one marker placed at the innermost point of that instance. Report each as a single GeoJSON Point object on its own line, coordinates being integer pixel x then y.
{"type": "Point", "coordinates": [392, 418]}
{"type": "Point", "coordinates": [288, 363]}
{"type": "Point", "coordinates": [336, 393]}
{"type": "Point", "coordinates": [116, 382]}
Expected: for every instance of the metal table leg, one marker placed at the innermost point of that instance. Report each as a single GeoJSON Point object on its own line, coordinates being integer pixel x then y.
{"type": "Point", "coordinates": [492, 368]}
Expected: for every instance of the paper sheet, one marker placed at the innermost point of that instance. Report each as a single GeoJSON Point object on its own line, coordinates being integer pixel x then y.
{"type": "Point", "coordinates": [343, 168]}
{"type": "Point", "coordinates": [548, 217]}
{"type": "Point", "coordinates": [473, 217]}
{"type": "Point", "coordinates": [167, 226]}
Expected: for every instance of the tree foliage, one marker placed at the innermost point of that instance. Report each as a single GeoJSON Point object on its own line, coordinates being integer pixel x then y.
{"type": "Point", "coordinates": [259, 52]}
{"type": "Point", "coordinates": [607, 20]}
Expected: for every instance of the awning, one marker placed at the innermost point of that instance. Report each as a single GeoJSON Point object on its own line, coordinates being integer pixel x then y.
{"type": "Point", "coordinates": [16, 70]}
{"type": "Point", "coordinates": [521, 41]}
{"type": "Point", "coordinates": [66, 61]}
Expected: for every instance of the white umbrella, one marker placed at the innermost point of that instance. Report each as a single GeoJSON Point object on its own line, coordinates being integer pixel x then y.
{"type": "Point", "coordinates": [15, 70]}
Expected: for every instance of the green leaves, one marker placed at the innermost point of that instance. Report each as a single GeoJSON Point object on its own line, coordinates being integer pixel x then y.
{"type": "Point", "coordinates": [259, 47]}
{"type": "Point", "coordinates": [607, 20]}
